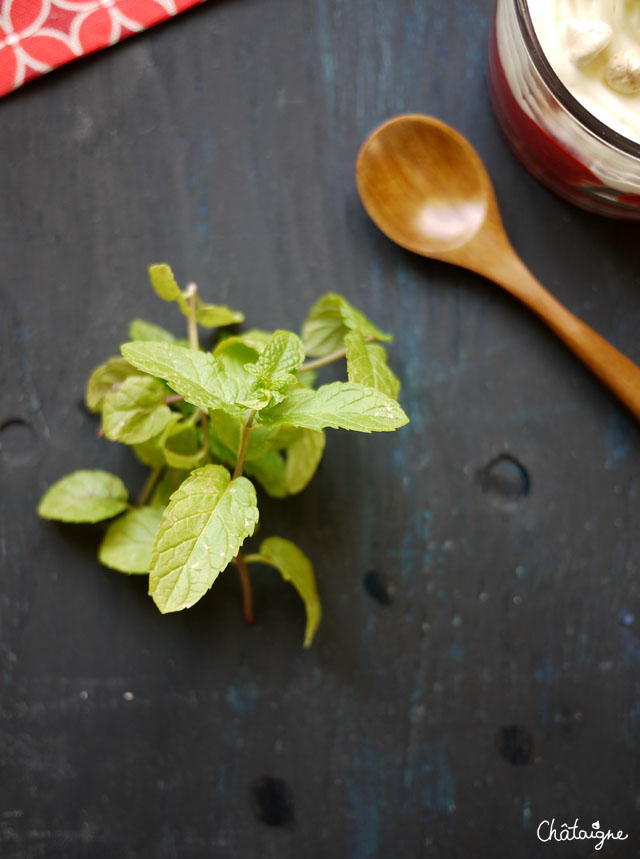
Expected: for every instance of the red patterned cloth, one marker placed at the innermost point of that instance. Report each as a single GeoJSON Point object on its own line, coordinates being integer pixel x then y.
{"type": "Point", "coordinates": [38, 35]}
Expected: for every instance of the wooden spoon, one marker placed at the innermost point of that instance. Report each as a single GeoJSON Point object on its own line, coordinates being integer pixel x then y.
{"type": "Point", "coordinates": [426, 188]}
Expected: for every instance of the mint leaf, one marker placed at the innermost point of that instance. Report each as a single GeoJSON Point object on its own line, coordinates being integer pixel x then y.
{"type": "Point", "coordinates": [259, 399]}
{"type": "Point", "coordinates": [225, 434]}
{"type": "Point", "coordinates": [151, 451]}
{"type": "Point", "coordinates": [233, 353]}
{"type": "Point", "coordinates": [307, 378]}
{"type": "Point", "coordinates": [340, 404]}
{"type": "Point", "coordinates": [177, 445]}
{"type": "Point", "coordinates": [84, 496]}
{"type": "Point", "coordinates": [303, 458]}
{"type": "Point", "coordinates": [254, 339]}
{"type": "Point", "coordinates": [283, 354]}
{"type": "Point", "coordinates": [182, 447]}
{"type": "Point", "coordinates": [215, 315]}
{"type": "Point", "coordinates": [136, 411]}
{"type": "Point", "coordinates": [367, 364]}
{"type": "Point", "coordinates": [263, 440]}
{"type": "Point", "coordinates": [270, 471]}
{"type": "Point", "coordinates": [282, 436]}
{"type": "Point", "coordinates": [105, 378]}
{"type": "Point", "coordinates": [275, 369]}
{"type": "Point", "coordinates": [141, 330]}
{"type": "Point", "coordinates": [200, 379]}
{"type": "Point", "coordinates": [294, 566]}
{"type": "Point", "coordinates": [227, 429]}
{"type": "Point", "coordinates": [126, 546]}
{"type": "Point", "coordinates": [171, 479]}
{"type": "Point", "coordinates": [166, 287]}
{"type": "Point", "coordinates": [208, 315]}
{"type": "Point", "coordinates": [219, 451]}
{"type": "Point", "coordinates": [329, 321]}
{"type": "Point", "coordinates": [204, 525]}
{"type": "Point", "coordinates": [284, 475]}
{"type": "Point", "coordinates": [234, 360]}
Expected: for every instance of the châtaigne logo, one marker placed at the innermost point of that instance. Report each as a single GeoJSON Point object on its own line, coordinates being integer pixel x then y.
{"type": "Point", "coordinates": [548, 831]}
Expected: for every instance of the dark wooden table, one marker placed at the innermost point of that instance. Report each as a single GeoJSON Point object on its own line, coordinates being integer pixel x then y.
{"type": "Point", "coordinates": [484, 676]}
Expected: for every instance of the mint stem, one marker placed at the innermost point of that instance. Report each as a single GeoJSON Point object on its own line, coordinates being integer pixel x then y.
{"type": "Point", "coordinates": [154, 474]}
{"type": "Point", "coordinates": [174, 398]}
{"type": "Point", "coordinates": [191, 294]}
{"type": "Point", "coordinates": [245, 583]}
{"type": "Point", "coordinates": [243, 572]}
{"type": "Point", "coordinates": [330, 358]}
{"type": "Point", "coordinates": [204, 423]}
{"type": "Point", "coordinates": [244, 447]}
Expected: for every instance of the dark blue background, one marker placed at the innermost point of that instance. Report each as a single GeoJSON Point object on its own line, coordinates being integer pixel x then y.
{"type": "Point", "coordinates": [500, 685]}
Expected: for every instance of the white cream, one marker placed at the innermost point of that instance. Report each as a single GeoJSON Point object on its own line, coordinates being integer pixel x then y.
{"type": "Point", "coordinates": [594, 48]}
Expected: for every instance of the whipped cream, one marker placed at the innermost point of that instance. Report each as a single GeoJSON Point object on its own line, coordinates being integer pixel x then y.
{"type": "Point", "coordinates": [594, 48]}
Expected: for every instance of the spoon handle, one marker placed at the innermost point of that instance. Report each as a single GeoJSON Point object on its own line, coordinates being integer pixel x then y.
{"type": "Point", "coordinates": [614, 369]}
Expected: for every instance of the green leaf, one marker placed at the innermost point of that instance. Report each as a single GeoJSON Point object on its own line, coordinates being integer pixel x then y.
{"type": "Point", "coordinates": [234, 360]}
{"type": "Point", "coordinates": [270, 471]}
{"type": "Point", "coordinates": [259, 399]}
{"type": "Point", "coordinates": [227, 429]}
{"type": "Point", "coordinates": [136, 411]}
{"type": "Point", "coordinates": [283, 354]}
{"type": "Point", "coordinates": [182, 448]}
{"type": "Point", "coordinates": [84, 496]}
{"type": "Point", "coordinates": [232, 352]}
{"type": "Point", "coordinates": [254, 339]}
{"type": "Point", "coordinates": [329, 321]}
{"type": "Point", "coordinates": [304, 454]}
{"type": "Point", "coordinates": [367, 364]}
{"type": "Point", "coordinates": [307, 378]}
{"type": "Point", "coordinates": [345, 405]}
{"type": "Point", "coordinates": [226, 432]}
{"type": "Point", "coordinates": [166, 287]}
{"type": "Point", "coordinates": [283, 435]}
{"type": "Point", "coordinates": [171, 479]}
{"type": "Point", "coordinates": [220, 452]}
{"type": "Point", "coordinates": [141, 330]}
{"type": "Point", "coordinates": [127, 544]}
{"type": "Point", "coordinates": [275, 369]}
{"type": "Point", "coordinates": [294, 566]}
{"type": "Point", "coordinates": [151, 452]}
{"type": "Point", "coordinates": [204, 525]}
{"type": "Point", "coordinates": [200, 379]}
{"type": "Point", "coordinates": [263, 440]}
{"type": "Point", "coordinates": [208, 315]}
{"type": "Point", "coordinates": [285, 475]}
{"type": "Point", "coordinates": [105, 378]}
{"type": "Point", "coordinates": [177, 446]}
{"type": "Point", "coordinates": [215, 315]}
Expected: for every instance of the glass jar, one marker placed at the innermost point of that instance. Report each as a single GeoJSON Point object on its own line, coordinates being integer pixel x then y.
{"type": "Point", "coordinates": [560, 142]}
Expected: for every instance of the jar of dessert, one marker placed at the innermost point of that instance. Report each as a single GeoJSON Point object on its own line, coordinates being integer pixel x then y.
{"type": "Point", "coordinates": [564, 78]}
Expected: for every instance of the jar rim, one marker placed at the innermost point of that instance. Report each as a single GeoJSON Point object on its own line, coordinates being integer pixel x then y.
{"type": "Point", "coordinates": [560, 91]}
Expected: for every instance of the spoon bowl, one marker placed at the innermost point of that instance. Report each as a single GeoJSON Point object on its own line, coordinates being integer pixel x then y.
{"type": "Point", "coordinates": [424, 185]}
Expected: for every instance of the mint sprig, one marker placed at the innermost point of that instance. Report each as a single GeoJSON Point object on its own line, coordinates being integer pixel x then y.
{"type": "Point", "coordinates": [208, 424]}
{"type": "Point", "coordinates": [203, 527]}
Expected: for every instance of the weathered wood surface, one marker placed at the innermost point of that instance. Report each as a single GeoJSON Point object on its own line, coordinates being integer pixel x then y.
{"type": "Point", "coordinates": [494, 681]}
